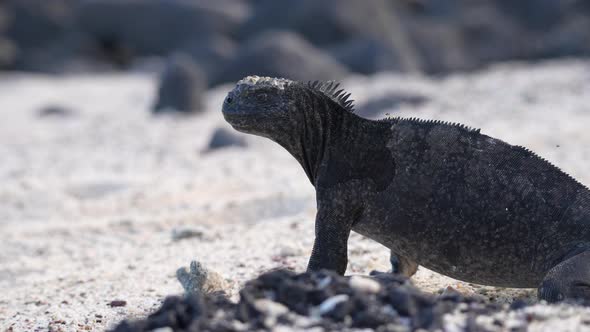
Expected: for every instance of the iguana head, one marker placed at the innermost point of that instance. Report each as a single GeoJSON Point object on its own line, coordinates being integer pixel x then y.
{"type": "Point", "coordinates": [270, 107]}
{"type": "Point", "coordinates": [298, 116]}
{"type": "Point", "coordinates": [260, 105]}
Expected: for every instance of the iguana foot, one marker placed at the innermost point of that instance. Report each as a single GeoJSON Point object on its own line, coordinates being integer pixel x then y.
{"type": "Point", "coordinates": [569, 279]}
{"type": "Point", "coordinates": [402, 265]}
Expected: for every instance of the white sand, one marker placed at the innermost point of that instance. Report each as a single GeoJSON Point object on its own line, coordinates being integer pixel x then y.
{"type": "Point", "coordinates": [88, 203]}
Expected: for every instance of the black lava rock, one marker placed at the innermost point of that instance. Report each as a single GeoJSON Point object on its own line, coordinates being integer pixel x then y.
{"type": "Point", "coordinates": [39, 35]}
{"type": "Point", "coordinates": [182, 87]}
{"type": "Point", "coordinates": [280, 54]}
{"type": "Point", "coordinates": [367, 56]}
{"type": "Point", "coordinates": [538, 14]}
{"type": "Point", "coordinates": [284, 297]}
{"type": "Point", "coordinates": [8, 53]}
{"type": "Point", "coordinates": [176, 312]}
{"type": "Point", "coordinates": [323, 23]}
{"type": "Point", "coordinates": [435, 37]}
{"type": "Point", "coordinates": [121, 30]}
{"type": "Point", "coordinates": [56, 111]}
{"type": "Point", "coordinates": [222, 138]}
{"type": "Point", "coordinates": [211, 53]}
{"type": "Point", "coordinates": [32, 24]}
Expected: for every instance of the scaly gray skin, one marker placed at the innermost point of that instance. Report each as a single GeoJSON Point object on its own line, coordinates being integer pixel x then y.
{"type": "Point", "coordinates": [441, 195]}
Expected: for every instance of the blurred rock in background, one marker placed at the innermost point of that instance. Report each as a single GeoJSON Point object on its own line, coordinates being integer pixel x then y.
{"type": "Point", "coordinates": [298, 39]}
{"type": "Point", "coordinates": [280, 54]}
{"type": "Point", "coordinates": [223, 138]}
{"type": "Point", "coordinates": [42, 34]}
{"type": "Point", "coordinates": [124, 29]}
{"type": "Point", "coordinates": [182, 86]}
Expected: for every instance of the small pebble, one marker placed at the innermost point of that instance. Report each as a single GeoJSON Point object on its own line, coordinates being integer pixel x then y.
{"type": "Point", "coordinates": [223, 138]}
{"type": "Point", "coordinates": [364, 284]}
{"type": "Point", "coordinates": [200, 280]}
{"type": "Point", "coordinates": [186, 233]}
{"type": "Point", "coordinates": [331, 303]}
{"type": "Point", "coordinates": [55, 111]}
{"type": "Point", "coordinates": [163, 329]}
{"type": "Point", "coordinates": [270, 307]}
{"type": "Point", "coordinates": [117, 303]}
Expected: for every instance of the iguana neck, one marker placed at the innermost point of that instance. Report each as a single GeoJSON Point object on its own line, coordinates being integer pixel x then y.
{"type": "Point", "coordinates": [316, 123]}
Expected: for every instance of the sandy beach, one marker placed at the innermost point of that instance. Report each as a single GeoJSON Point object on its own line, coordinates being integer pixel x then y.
{"type": "Point", "coordinates": [105, 202]}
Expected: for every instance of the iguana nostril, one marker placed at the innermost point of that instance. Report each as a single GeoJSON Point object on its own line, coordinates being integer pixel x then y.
{"type": "Point", "coordinates": [228, 100]}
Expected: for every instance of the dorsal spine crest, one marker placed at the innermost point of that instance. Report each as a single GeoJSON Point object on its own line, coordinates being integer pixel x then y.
{"type": "Point", "coordinates": [329, 89]}
{"type": "Point", "coordinates": [431, 123]}
{"type": "Point", "coordinates": [532, 154]}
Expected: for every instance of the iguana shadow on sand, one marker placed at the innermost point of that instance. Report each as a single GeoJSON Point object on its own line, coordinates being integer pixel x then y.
{"type": "Point", "coordinates": [439, 195]}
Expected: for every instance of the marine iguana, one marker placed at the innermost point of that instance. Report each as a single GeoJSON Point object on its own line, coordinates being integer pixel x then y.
{"type": "Point", "coordinates": [437, 194]}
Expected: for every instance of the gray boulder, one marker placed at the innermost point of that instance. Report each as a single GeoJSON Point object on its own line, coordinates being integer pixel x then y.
{"type": "Point", "coordinates": [322, 23]}
{"type": "Point", "coordinates": [367, 56]}
{"type": "Point", "coordinates": [56, 111]}
{"type": "Point", "coordinates": [32, 24]}
{"type": "Point", "coordinates": [8, 53]}
{"type": "Point", "coordinates": [538, 14]}
{"type": "Point", "coordinates": [223, 138]}
{"type": "Point", "coordinates": [157, 27]}
{"type": "Point", "coordinates": [39, 35]}
{"type": "Point", "coordinates": [280, 54]}
{"type": "Point", "coordinates": [182, 87]}
{"type": "Point", "coordinates": [211, 53]}
{"type": "Point", "coordinates": [366, 36]}
{"type": "Point", "coordinates": [463, 35]}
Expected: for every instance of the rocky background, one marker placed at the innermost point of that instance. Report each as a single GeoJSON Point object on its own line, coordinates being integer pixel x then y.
{"type": "Point", "coordinates": [199, 44]}
{"type": "Point", "coordinates": [104, 205]}
{"type": "Point", "coordinates": [300, 39]}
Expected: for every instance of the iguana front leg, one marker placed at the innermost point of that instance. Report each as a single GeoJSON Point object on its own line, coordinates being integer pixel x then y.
{"type": "Point", "coordinates": [332, 227]}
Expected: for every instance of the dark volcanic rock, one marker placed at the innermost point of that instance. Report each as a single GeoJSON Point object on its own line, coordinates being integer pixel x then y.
{"type": "Point", "coordinates": [486, 36]}
{"type": "Point", "coordinates": [280, 54]}
{"type": "Point", "coordinates": [56, 111]}
{"type": "Point", "coordinates": [367, 56]}
{"type": "Point", "coordinates": [36, 23]}
{"type": "Point", "coordinates": [181, 314]}
{"type": "Point", "coordinates": [222, 138]}
{"type": "Point", "coordinates": [319, 299]}
{"type": "Point", "coordinates": [8, 53]}
{"type": "Point", "coordinates": [538, 14]}
{"type": "Point", "coordinates": [366, 36]}
{"type": "Point", "coordinates": [41, 34]}
{"type": "Point", "coordinates": [211, 53]}
{"type": "Point", "coordinates": [323, 23]}
{"type": "Point", "coordinates": [7, 47]}
{"type": "Point", "coordinates": [570, 38]}
{"type": "Point", "coordinates": [182, 86]}
{"type": "Point", "coordinates": [227, 37]}
{"type": "Point", "coordinates": [177, 313]}
{"type": "Point", "coordinates": [439, 47]}
{"type": "Point", "coordinates": [463, 35]}
{"type": "Point", "coordinates": [156, 27]}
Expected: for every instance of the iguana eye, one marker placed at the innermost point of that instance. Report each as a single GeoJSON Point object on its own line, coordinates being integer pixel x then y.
{"type": "Point", "coordinates": [261, 96]}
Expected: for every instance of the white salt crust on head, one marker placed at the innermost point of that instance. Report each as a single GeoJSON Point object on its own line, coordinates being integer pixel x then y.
{"type": "Point", "coordinates": [280, 83]}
